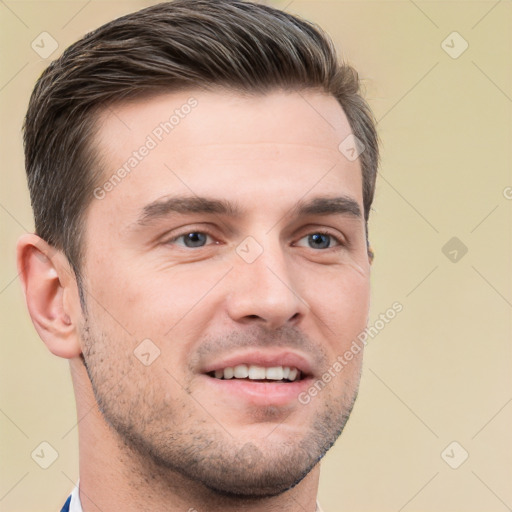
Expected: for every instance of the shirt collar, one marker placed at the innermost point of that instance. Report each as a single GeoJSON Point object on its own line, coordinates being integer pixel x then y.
{"type": "Point", "coordinates": [75, 505]}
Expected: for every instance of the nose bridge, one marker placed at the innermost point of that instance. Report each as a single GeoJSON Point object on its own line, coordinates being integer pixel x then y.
{"type": "Point", "coordinates": [263, 286]}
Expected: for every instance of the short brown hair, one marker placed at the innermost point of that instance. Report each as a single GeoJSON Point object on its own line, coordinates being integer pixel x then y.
{"type": "Point", "coordinates": [233, 44]}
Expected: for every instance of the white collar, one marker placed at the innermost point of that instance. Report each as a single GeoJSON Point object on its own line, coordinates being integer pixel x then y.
{"type": "Point", "coordinates": [75, 505]}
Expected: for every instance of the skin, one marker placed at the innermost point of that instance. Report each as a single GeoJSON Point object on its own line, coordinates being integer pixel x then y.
{"type": "Point", "coordinates": [167, 436]}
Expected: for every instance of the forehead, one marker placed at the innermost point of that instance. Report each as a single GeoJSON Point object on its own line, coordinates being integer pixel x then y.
{"type": "Point", "coordinates": [304, 116]}
{"type": "Point", "coordinates": [223, 144]}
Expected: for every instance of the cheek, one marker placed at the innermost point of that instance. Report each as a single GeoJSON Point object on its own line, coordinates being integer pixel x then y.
{"type": "Point", "coordinates": [173, 308]}
{"type": "Point", "coordinates": [340, 300]}
{"type": "Point", "coordinates": [137, 299]}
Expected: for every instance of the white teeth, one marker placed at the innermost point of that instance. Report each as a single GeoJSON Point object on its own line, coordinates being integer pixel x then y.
{"type": "Point", "coordinates": [255, 372]}
{"type": "Point", "coordinates": [241, 371]}
{"type": "Point", "coordinates": [275, 373]}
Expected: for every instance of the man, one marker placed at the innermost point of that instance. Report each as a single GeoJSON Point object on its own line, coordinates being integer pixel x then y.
{"type": "Point", "coordinates": [201, 175]}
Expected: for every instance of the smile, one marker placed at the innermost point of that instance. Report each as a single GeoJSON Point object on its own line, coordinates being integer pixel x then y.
{"type": "Point", "coordinates": [258, 373]}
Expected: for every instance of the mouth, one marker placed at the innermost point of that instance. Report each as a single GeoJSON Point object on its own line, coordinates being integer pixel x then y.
{"type": "Point", "coordinates": [258, 373]}
{"type": "Point", "coordinates": [260, 378]}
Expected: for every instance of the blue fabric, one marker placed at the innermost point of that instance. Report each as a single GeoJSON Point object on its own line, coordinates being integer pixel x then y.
{"type": "Point", "coordinates": [65, 508]}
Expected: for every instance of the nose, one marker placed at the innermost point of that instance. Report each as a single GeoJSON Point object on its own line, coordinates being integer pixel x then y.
{"type": "Point", "coordinates": [263, 291]}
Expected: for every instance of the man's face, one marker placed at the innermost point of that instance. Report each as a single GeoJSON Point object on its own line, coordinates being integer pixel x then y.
{"type": "Point", "coordinates": [233, 243]}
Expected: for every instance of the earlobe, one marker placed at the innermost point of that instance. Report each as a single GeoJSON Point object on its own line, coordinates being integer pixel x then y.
{"type": "Point", "coordinates": [371, 254]}
{"type": "Point", "coordinates": [48, 282]}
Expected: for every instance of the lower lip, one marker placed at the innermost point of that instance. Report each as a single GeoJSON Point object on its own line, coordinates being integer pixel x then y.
{"type": "Point", "coordinates": [260, 393]}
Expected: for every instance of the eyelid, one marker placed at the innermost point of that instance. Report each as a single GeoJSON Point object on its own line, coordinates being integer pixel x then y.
{"type": "Point", "coordinates": [337, 242]}
{"type": "Point", "coordinates": [340, 239]}
{"type": "Point", "coordinates": [168, 239]}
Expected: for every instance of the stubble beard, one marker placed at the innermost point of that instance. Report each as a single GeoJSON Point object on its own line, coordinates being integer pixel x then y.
{"type": "Point", "coordinates": [196, 446]}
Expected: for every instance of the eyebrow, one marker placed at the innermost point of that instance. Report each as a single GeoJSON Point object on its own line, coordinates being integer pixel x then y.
{"type": "Point", "coordinates": [193, 204]}
{"type": "Point", "coordinates": [343, 205]}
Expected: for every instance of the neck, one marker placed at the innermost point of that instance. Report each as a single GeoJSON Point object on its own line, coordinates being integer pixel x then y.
{"type": "Point", "coordinates": [114, 476]}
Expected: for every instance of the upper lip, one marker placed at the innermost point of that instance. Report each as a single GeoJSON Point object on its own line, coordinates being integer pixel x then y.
{"type": "Point", "coordinates": [264, 358]}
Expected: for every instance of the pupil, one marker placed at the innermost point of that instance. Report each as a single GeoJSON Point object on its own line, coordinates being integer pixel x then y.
{"type": "Point", "coordinates": [195, 239]}
{"type": "Point", "coordinates": [320, 240]}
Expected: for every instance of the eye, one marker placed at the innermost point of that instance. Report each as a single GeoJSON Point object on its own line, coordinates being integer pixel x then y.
{"type": "Point", "coordinates": [191, 240]}
{"type": "Point", "coordinates": [320, 241]}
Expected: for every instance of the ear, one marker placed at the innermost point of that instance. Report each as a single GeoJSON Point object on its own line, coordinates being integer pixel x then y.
{"type": "Point", "coordinates": [371, 254]}
{"type": "Point", "coordinates": [51, 294]}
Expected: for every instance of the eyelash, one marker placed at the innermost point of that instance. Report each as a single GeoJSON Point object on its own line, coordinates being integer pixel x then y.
{"type": "Point", "coordinates": [341, 243]}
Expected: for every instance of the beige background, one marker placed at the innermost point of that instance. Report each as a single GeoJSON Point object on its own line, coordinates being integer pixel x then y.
{"type": "Point", "coordinates": [441, 370]}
